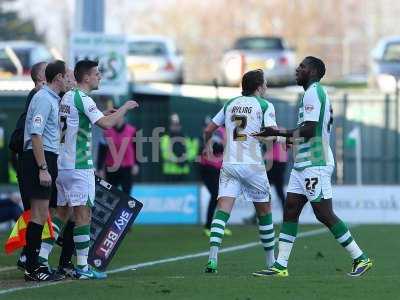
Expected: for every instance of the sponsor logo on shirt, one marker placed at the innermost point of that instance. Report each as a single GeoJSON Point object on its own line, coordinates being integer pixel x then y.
{"type": "Point", "coordinates": [38, 121]}
{"type": "Point", "coordinates": [65, 109]}
{"type": "Point", "coordinates": [272, 115]}
{"type": "Point", "coordinates": [308, 108]}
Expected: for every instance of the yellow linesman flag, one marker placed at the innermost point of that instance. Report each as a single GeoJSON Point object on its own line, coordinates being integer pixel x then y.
{"type": "Point", "coordinates": [17, 237]}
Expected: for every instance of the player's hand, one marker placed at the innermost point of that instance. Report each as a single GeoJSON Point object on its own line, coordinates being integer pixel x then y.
{"type": "Point", "coordinates": [101, 174]}
{"type": "Point", "coordinates": [109, 111]}
{"type": "Point", "coordinates": [265, 132]}
{"type": "Point", "coordinates": [208, 151]}
{"type": "Point", "coordinates": [44, 178]}
{"type": "Point", "coordinates": [131, 104]}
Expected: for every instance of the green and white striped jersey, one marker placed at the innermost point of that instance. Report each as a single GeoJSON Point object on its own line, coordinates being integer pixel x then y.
{"type": "Point", "coordinates": [242, 116]}
{"type": "Point", "coordinates": [314, 106]}
{"type": "Point", "coordinates": [77, 114]}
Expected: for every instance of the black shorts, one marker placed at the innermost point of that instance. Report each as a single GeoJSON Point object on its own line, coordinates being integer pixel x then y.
{"type": "Point", "coordinates": [30, 177]}
{"type": "Point", "coordinates": [123, 177]}
{"type": "Point", "coordinates": [25, 200]}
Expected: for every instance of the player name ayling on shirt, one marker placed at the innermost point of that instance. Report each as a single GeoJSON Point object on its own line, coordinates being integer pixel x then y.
{"type": "Point", "coordinates": [241, 110]}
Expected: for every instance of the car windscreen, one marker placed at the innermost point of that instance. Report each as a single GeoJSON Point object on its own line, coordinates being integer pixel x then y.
{"type": "Point", "coordinates": [392, 52]}
{"type": "Point", "coordinates": [147, 48]}
{"type": "Point", "coordinates": [259, 44]}
{"type": "Point", "coordinates": [6, 64]}
{"type": "Point", "coordinates": [24, 57]}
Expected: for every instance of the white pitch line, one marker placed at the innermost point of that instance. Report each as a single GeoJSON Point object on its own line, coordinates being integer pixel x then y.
{"type": "Point", "coordinates": [4, 269]}
{"type": "Point", "coordinates": [161, 261]}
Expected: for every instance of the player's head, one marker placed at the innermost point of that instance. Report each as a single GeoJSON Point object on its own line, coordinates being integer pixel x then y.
{"type": "Point", "coordinates": [253, 82]}
{"type": "Point", "coordinates": [311, 68]}
{"type": "Point", "coordinates": [37, 73]}
{"type": "Point", "coordinates": [56, 75]}
{"type": "Point", "coordinates": [174, 123]}
{"type": "Point", "coordinates": [87, 73]}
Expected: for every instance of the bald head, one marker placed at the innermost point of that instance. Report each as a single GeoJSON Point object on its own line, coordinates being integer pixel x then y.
{"type": "Point", "coordinates": [37, 73]}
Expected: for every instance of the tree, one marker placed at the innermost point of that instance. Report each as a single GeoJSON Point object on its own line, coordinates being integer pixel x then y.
{"type": "Point", "coordinates": [14, 28]}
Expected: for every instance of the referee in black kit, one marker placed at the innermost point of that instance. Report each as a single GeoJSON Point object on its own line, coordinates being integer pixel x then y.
{"type": "Point", "coordinates": [39, 164]}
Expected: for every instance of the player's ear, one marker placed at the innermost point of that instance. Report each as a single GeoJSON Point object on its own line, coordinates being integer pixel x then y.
{"type": "Point", "coordinates": [313, 72]}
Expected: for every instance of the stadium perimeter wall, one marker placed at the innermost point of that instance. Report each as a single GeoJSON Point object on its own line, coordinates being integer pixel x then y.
{"type": "Point", "coordinates": [187, 204]}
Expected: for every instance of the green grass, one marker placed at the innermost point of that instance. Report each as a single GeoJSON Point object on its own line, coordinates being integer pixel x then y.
{"type": "Point", "coordinates": [317, 269]}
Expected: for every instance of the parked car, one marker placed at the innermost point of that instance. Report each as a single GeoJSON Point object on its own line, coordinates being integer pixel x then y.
{"type": "Point", "coordinates": [17, 57]}
{"type": "Point", "coordinates": [385, 64]}
{"type": "Point", "coordinates": [259, 52]}
{"type": "Point", "coordinates": [154, 59]}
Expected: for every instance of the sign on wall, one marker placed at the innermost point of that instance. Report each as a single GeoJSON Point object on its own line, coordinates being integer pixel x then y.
{"type": "Point", "coordinates": [353, 204]}
{"type": "Point", "coordinates": [167, 204]}
{"type": "Point", "coordinates": [110, 51]}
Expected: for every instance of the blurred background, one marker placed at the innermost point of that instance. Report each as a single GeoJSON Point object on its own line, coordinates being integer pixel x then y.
{"type": "Point", "coordinates": [181, 60]}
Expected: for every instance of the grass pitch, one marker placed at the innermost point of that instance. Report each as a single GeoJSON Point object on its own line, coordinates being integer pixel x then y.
{"type": "Point", "coordinates": [317, 268]}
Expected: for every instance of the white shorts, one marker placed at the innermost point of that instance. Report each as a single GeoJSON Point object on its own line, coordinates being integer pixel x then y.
{"type": "Point", "coordinates": [75, 187]}
{"type": "Point", "coordinates": [313, 182]}
{"type": "Point", "coordinates": [247, 181]}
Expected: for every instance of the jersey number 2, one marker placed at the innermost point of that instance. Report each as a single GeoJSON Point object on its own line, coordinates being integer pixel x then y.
{"type": "Point", "coordinates": [241, 123]}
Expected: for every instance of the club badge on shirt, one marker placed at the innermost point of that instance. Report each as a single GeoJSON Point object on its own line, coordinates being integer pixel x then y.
{"type": "Point", "coordinates": [38, 121]}
{"type": "Point", "coordinates": [309, 108]}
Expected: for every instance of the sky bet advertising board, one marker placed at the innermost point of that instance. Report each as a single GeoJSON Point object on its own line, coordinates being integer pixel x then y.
{"type": "Point", "coordinates": [112, 216]}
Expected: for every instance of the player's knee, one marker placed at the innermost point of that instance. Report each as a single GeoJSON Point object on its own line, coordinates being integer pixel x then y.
{"type": "Point", "coordinates": [291, 212]}
{"type": "Point", "coordinates": [262, 209]}
{"type": "Point", "coordinates": [63, 213]}
{"type": "Point", "coordinates": [82, 215]}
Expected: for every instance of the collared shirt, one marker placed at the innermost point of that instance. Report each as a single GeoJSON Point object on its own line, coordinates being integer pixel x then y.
{"type": "Point", "coordinates": [42, 119]}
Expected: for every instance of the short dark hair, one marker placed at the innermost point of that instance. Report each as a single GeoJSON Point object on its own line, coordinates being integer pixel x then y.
{"type": "Point", "coordinates": [251, 81]}
{"type": "Point", "coordinates": [35, 70]}
{"type": "Point", "coordinates": [53, 69]}
{"type": "Point", "coordinates": [318, 65]}
{"type": "Point", "coordinates": [83, 67]}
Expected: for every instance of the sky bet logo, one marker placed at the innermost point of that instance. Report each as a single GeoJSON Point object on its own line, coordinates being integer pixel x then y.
{"type": "Point", "coordinates": [113, 234]}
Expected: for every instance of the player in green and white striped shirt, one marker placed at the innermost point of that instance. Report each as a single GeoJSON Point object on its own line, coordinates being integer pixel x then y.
{"type": "Point", "coordinates": [310, 179]}
{"type": "Point", "coordinates": [76, 180]}
{"type": "Point", "coordinates": [243, 174]}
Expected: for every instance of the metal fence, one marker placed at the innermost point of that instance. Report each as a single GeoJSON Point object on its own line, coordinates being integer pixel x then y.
{"type": "Point", "coordinates": [376, 114]}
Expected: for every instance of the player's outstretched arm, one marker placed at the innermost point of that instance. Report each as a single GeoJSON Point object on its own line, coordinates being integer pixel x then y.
{"type": "Point", "coordinates": [306, 130]}
{"type": "Point", "coordinates": [111, 120]}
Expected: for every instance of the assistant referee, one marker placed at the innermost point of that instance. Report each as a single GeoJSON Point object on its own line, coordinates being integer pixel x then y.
{"type": "Point", "coordinates": [39, 164]}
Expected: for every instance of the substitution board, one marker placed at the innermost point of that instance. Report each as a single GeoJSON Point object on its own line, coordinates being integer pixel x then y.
{"type": "Point", "coordinates": [112, 216]}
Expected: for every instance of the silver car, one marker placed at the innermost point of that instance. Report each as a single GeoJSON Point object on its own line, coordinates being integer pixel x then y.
{"type": "Point", "coordinates": [17, 57]}
{"type": "Point", "coordinates": [385, 64]}
{"type": "Point", "coordinates": [154, 59]}
{"type": "Point", "coordinates": [268, 53]}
